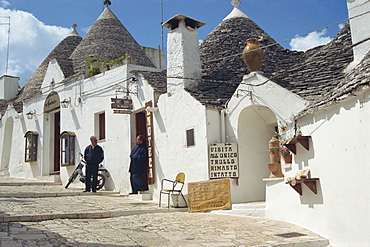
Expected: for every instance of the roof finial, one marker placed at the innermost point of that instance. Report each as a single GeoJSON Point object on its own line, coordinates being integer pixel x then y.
{"type": "Point", "coordinates": [236, 3]}
{"type": "Point", "coordinates": [107, 2]}
{"type": "Point", "coordinates": [74, 31]}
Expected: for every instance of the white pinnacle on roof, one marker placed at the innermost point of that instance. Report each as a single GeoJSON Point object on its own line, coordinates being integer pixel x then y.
{"type": "Point", "coordinates": [236, 12]}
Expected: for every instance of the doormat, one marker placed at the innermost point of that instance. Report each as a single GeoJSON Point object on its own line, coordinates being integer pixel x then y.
{"type": "Point", "coordinates": [291, 235]}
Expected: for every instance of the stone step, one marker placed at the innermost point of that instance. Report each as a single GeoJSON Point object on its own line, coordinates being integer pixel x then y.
{"type": "Point", "coordinates": [253, 209]}
{"type": "Point", "coordinates": [142, 196]}
{"type": "Point", "coordinates": [4, 172]}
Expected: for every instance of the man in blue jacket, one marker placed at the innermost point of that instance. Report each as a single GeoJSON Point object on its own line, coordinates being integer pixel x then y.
{"type": "Point", "coordinates": [94, 155]}
{"type": "Point", "coordinates": [139, 157]}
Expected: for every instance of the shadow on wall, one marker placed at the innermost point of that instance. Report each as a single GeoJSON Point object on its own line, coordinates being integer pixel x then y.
{"type": "Point", "coordinates": [310, 198]}
{"type": "Point", "coordinates": [75, 119]}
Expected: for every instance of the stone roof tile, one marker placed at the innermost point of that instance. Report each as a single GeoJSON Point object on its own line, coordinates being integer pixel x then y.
{"type": "Point", "coordinates": [110, 39]}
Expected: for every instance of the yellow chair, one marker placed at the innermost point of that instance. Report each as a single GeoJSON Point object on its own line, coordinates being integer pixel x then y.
{"type": "Point", "coordinates": [176, 187]}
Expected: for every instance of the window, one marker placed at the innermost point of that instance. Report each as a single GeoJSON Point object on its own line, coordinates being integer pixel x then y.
{"type": "Point", "coordinates": [190, 137]}
{"type": "Point", "coordinates": [67, 148]}
{"type": "Point", "coordinates": [31, 146]}
{"type": "Point", "coordinates": [101, 127]}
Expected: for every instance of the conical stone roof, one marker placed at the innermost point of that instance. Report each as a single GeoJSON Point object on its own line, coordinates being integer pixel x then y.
{"type": "Point", "coordinates": [311, 74]}
{"type": "Point", "coordinates": [221, 50]}
{"type": "Point", "coordinates": [110, 39]}
{"type": "Point", "coordinates": [61, 53]}
{"type": "Point", "coordinates": [222, 65]}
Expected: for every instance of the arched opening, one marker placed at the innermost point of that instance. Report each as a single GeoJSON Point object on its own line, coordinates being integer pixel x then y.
{"type": "Point", "coordinates": [255, 128]}
{"type": "Point", "coordinates": [7, 143]}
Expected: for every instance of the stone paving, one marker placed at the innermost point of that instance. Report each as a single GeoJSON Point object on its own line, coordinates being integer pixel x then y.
{"type": "Point", "coordinates": [49, 215]}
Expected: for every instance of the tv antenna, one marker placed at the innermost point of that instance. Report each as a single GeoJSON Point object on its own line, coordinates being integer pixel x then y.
{"type": "Point", "coordinates": [7, 50]}
{"type": "Point", "coordinates": [161, 10]}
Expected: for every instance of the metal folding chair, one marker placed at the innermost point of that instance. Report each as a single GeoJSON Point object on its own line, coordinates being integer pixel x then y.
{"type": "Point", "coordinates": [171, 187]}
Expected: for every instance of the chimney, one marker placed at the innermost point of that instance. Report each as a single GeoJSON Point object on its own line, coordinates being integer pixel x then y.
{"type": "Point", "coordinates": [360, 28]}
{"type": "Point", "coordinates": [8, 87]}
{"type": "Point", "coordinates": [183, 57]}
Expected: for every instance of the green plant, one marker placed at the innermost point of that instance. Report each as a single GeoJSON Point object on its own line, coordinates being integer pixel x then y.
{"type": "Point", "coordinates": [93, 71]}
{"type": "Point", "coordinates": [90, 61]}
{"type": "Point", "coordinates": [276, 135]}
{"type": "Point", "coordinates": [284, 152]}
{"type": "Point", "coordinates": [118, 60]}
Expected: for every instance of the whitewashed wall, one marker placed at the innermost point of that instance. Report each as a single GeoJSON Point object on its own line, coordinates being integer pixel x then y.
{"type": "Point", "coordinates": [338, 157]}
{"type": "Point", "coordinates": [89, 97]}
{"type": "Point", "coordinates": [253, 112]}
{"type": "Point", "coordinates": [360, 27]}
{"type": "Point", "coordinates": [176, 114]}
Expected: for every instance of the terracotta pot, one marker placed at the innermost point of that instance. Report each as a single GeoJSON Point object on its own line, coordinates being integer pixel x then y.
{"type": "Point", "coordinates": [288, 159]}
{"type": "Point", "coordinates": [275, 169]}
{"type": "Point", "coordinates": [252, 55]}
{"type": "Point", "coordinates": [274, 151]}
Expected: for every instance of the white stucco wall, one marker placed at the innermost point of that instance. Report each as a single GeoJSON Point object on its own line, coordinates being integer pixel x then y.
{"type": "Point", "coordinates": [257, 106]}
{"type": "Point", "coordinates": [360, 23]}
{"type": "Point", "coordinates": [338, 157]}
{"type": "Point", "coordinates": [176, 114]}
{"type": "Point", "coordinates": [89, 97]}
{"type": "Point", "coordinates": [183, 58]}
{"type": "Point", "coordinates": [8, 87]}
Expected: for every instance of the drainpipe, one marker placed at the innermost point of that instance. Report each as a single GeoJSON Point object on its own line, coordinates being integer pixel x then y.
{"type": "Point", "coordinates": [223, 126]}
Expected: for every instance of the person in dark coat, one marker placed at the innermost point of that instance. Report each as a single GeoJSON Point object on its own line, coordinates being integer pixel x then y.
{"type": "Point", "coordinates": [94, 155]}
{"type": "Point", "coordinates": [139, 157]}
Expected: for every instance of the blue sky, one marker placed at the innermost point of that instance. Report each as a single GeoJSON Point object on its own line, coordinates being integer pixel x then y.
{"type": "Point", "coordinates": [37, 26]}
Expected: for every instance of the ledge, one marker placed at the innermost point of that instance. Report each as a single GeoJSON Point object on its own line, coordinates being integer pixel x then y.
{"type": "Point", "coordinates": [309, 182]}
{"type": "Point", "coordinates": [272, 179]}
{"type": "Point", "coordinates": [303, 140]}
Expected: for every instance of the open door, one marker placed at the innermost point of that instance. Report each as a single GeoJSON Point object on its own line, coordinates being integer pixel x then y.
{"type": "Point", "coordinates": [141, 130]}
{"type": "Point", "coordinates": [56, 142]}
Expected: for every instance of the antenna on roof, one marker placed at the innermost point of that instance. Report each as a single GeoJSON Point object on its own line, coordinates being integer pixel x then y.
{"type": "Point", "coordinates": [161, 3]}
{"type": "Point", "coordinates": [7, 50]}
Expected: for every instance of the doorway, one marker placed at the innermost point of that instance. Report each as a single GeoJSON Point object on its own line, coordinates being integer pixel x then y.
{"type": "Point", "coordinates": [56, 141]}
{"type": "Point", "coordinates": [141, 130]}
{"type": "Point", "coordinates": [255, 128]}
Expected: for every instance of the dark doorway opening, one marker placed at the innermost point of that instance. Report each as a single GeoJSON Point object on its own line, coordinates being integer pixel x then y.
{"type": "Point", "coordinates": [141, 130]}
{"type": "Point", "coordinates": [56, 142]}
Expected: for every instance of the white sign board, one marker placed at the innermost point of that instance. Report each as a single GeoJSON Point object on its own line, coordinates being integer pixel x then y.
{"type": "Point", "coordinates": [223, 160]}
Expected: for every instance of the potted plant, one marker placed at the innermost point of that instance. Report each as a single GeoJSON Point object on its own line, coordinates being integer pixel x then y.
{"type": "Point", "coordinates": [287, 155]}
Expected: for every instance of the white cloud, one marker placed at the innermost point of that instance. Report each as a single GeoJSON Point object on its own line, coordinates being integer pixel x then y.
{"type": "Point", "coordinates": [4, 3]}
{"type": "Point", "coordinates": [309, 41]}
{"type": "Point", "coordinates": [30, 42]}
{"type": "Point", "coordinates": [341, 25]}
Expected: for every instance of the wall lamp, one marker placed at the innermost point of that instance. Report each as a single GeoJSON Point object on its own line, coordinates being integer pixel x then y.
{"type": "Point", "coordinates": [30, 114]}
{"type": "Point", "coordinates": [65, 102]}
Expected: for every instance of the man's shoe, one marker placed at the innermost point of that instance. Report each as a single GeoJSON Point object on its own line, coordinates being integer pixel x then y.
{"type": "Point", "coordinates": [133, 193]}
{"type": "Point", "coordinates": [86, 191]}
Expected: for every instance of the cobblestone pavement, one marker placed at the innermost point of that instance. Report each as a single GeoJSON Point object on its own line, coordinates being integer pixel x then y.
{"type": "Point", "coordinates": [42, 215]}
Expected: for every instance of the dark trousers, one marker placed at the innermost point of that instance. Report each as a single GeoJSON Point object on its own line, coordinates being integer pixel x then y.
{"type": "Point", "coordinates": [136, 183]}
{"type": "Point", "coordinates": [91, 172]}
